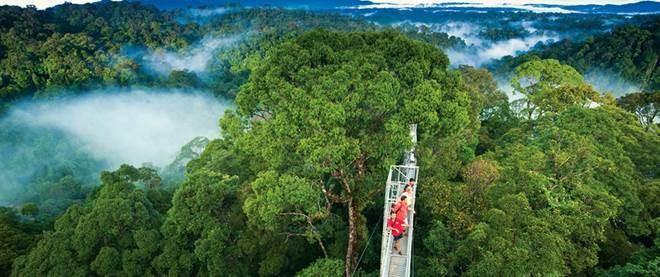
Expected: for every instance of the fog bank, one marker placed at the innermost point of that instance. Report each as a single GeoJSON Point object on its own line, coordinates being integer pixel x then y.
{"type": "Point", "coordinates": [485, 51]}
{"type": "Point", "coordinates": [610, 82]}
{"type": "Point", "coordinates": [195, 59]}
{"type": "Point", "coordinates": [480, 50]}
{"type": "Point", "coordinates": [132, 127]}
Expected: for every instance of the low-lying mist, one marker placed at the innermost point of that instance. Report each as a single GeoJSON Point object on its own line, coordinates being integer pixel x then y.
{"type": "Point", "coordinates": [610, 82]}
{"type": "Point", "coordinates": [481, 50]}
{"type": "Point", "coordinates": [129, 127]}
{"type": "Point", "coordinates": [79, 136]}
{"type": "Point", "coordinates": [195, 58]}
{"type": "Point", "coordinates": [199, 12]}
{"type": "Point", "coordinates": [601, 81]}
{"type": "Point", "coordinates": [486, 51]}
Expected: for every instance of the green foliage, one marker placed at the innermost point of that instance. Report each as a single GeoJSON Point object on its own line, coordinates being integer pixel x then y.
{"type": "Point", "coordinates": [505, 32]}
{"type": "Point", "coordinates": [324, 78]}
{"type": "Point", "coordinates": [568, 194]}
{"type": "Point", "coordinates": [513, 240]}
{"type": "Point", "coordinates": [294, 183]}
{"type": "Point", "coordinates": [16, 239]}
{"type": "Point", "coordinates": [644, 105]}
{"type": "Point", "coordinates": [480, 173]}
{"type": "Point", "coordinates": [643, 263]}
{"type": "Point", "coordinates": [425, 34]}
{"type": "Point", "coordinates": [29, 209]}
{"type": "Point", "coordinates": [69, 59]}
{"type": "Point", "coordinates": [490, 113]}
{"type": "Point", "coordinates": [78, 47]}
{"type": "Point", "coordinates": [440, 245]}
{"type": "Point", "coordinates": [199, 233]}
{"type": "Point", "coordinates": [288, 206]}
{"type": "Point", "coordinates": [44, 168]}
{"type": "Point", "coordinates": [183, 79]}
{"type": "Point", "coordinates": [331, 110]}
{"type": "Point", "coordinates": [280, 196]}
{"type": "Point", "coordinates": [545, 84]}
{"type": "Point", "coordinates": [115, 233]}
{"type": "Point", "coordinates": [174, 173]}
{"type": "Point", "coordinates": [485, 96]}
{"type": "Point", "coordinates": [630, 52]}
{"type": "Point", "coordinates": [73, 46]}
{"type": "Point", "coordinates": [323, 267]}
{"type": "Point", "coordinates": [443, 155]}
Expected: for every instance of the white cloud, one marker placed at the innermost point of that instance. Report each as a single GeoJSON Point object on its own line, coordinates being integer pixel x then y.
{"type": "Point", "coordinates": [480, 54]}
{"type": "Point", "coordinates": [510, 4]}
{"type": "Point", "coordinates": [519, 7]}
{"type": "Point", "coordinates": [610, 82]}
{"type": "Point", "coordinates": [468, 32]}
{"type": "Point", "coordinates": [485, 52]}
{"type": "Point", "coordinates": [481, 51]}
{"type": "Point", "coordinates": [194, 59]}
{"type": "Point", "coordinates": [208, 12]}
{"type": "Point", "coordinates": [131, 127]}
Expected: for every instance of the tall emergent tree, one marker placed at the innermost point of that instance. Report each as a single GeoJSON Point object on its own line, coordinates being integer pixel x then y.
{"type": "Point", "coordinates": [324, 115]}
{"type": "Point", "coordinates": [644, 105]}
{"type": "Point", "coordinates": [549, 86]}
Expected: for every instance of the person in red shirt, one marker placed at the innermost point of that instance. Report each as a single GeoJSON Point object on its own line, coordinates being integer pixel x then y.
{"type": "Point", "coordinates": [401, 209]}
{"type": "Point", "coordinates": [397, 227]}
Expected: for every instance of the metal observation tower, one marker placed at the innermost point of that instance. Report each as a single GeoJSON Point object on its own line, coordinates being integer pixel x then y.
{"type": "Point", "coordinates": [395, 264]}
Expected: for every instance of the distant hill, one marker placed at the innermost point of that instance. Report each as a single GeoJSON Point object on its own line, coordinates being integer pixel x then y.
{"type": "Point", "coordinates": [629, 52]}
{"type": "Point", "coordinates": [639, 7]}
{"type": "Point", "coordinates": [292, 4]}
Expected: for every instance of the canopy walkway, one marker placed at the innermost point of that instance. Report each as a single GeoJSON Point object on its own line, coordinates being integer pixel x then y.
{"type": "Point", "coordinates": [396, 265]}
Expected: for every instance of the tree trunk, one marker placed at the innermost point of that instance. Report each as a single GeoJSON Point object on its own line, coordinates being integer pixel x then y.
{"type": "Point", "coordinates": [351, 251]}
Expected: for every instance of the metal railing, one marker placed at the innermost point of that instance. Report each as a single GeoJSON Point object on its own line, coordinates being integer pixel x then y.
{"type": "Point", "coordinates": [397, 179]}
{"type": "Point", "coordinates": [411, 220]}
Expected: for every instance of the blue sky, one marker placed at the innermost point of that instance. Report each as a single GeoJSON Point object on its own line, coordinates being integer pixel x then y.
{"type": "Point", "coordinates": [42, 4]}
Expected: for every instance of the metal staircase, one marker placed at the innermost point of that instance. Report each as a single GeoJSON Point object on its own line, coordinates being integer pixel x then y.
{"type": "Point", "coordinates": [396, 265]}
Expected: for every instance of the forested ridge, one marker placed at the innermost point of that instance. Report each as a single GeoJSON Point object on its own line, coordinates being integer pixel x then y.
{"type": "Point", "coordinates": [563, 181]}
{"type": "Point", "coordinates": [628, 51]}
{"type": "Point", "coordinates": [79, 47]}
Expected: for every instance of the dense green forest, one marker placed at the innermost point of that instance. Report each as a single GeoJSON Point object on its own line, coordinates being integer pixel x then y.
{"type": "Point", "coordinates": [563, 181]}
{"type": "Point", "coordinates": [628, 51]}
{"type": "Point", "coordinates": [75, 48]}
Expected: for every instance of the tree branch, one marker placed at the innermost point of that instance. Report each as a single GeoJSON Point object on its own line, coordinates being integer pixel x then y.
{"type": "Point", "coordinates": [330, 196]}
{"type": "Point", "coordinates": [339, 175]}
{"type": "Point", "coordinates": [312, 227]}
